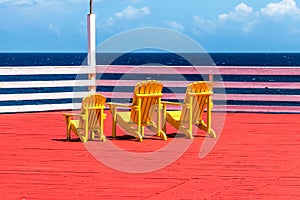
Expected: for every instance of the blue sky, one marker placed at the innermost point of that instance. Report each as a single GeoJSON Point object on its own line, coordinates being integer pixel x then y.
{"type": "Point", "coordinates": [217, 25]}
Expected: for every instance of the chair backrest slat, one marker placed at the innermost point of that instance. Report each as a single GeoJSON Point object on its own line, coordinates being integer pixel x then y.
{"type": "Point", "coordinates": [152, 92]}
{"type": "Point", "coordinates": [90, 105]}
{"type": "Point", "coordinates": [199, 102]}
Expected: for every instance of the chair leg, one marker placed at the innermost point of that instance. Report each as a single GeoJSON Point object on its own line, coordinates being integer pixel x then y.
{"type": "Point", "coordinates": [100, 130]}
{"type": "Point", "coordinates": [190, 129]}
{"type": "Point", "coordinates": [212, 133]}
{"type": "Point", "coordinates": [140, 139]}
{"type": "Point", "coordinates": [138, 133]}
{"type": "Point", "coordinates": [101, 133]}
{"type": "Point", "coordinates": [201, 125]}
{"type": "Point", "coordinates": [114, 122]}
{"type": "Point", "coordinates": [68, 133]}
{"type": "Point", "coordinates": [163, 135]}
{"type": "Point", "coordinates": [92, 135]}
{"type": "Point", "coordinates": [67, 119]}
{"type": "Point", "coordinates": [164, 128]}
{"type": "Point", "coordinates": [188, 133]}
{"type": "Point", "coordinates": [83, 139]}
{"type": "Point", "coordinates": [103, 138]}
{"type": "Point", "coordinates": [142, 131]}
{"type": "Point", "coordinates": [159, 132]}
{"type": "Point", "coordinates": [86, 132]}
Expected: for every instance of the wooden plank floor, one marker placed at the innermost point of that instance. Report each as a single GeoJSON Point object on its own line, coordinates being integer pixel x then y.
{"type": "Point", "coordinates": [256, 157]}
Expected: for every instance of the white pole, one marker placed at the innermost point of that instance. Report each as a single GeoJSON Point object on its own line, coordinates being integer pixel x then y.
{"type": "Point", "coordinates": [91, 26]}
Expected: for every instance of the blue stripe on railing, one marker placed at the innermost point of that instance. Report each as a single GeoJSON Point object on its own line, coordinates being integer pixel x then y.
{"type": "Point", "coordinates": [273, 88]}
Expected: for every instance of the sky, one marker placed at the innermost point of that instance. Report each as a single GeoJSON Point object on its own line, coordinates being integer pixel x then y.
{"type": "Point", "coordinates": [216, 25]}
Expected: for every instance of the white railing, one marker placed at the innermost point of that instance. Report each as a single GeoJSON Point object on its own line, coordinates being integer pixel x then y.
{"type": "Point", "coordinates": [11, 101]}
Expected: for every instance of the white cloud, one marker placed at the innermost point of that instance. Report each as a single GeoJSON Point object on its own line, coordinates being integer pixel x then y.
{"type": "Point", "coordinates": [174, 25]}
{"type": "Point", "coordinates": [223, 16]}
{"type": "Point", "coordinates": [202, 25]}
{"type": "Point", "coordinates": [5, 1]}
{"type": "Point", "coordinates": [243, 8]}
{"type": "Point", "coordinates": [294, 31]}
{"type": "Point", "coordinates": [131, 12]}
{"type": "Point", "coordinates": [282, 8]}
{"type": "Point", "coordinates": [135, 1]}
{"type": "Point", "coordinates": [241, 12]}
{"type": "Point", "coordinates": [55, 29]}
{"type": "Point", "coordinates": [79, 1]}
{"type": "Point", "coordinates": [20, 2]}
{"type": "Point", "coordinates": [27, 3]}
{"type": "Point", "coordinates": [249, 26]}
{"type": "Point", "coordinates": [110, 21]}
{"type": "Point", "coordinates": [243, 17]}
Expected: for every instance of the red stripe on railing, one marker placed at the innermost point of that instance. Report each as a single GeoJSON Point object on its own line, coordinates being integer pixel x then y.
{"type": "Point", "coordinates": [230, 70]}
{"type": "Point", "coordinates": [268, 85]}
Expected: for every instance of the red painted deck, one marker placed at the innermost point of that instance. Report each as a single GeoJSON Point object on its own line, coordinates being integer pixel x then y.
{"type": "Point", "coordinates": [256, 157]}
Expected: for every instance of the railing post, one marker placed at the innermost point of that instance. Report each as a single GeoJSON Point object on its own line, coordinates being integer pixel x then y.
{"type": "Point", "coordinates": [91, 6]}
{"type": "Point", "coordinates": [210, 78]}
{"type": "Point", "coordinates": [91, 29]}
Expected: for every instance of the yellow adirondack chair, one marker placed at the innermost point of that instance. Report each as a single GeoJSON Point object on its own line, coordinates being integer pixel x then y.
{"type": "Point", "coordinates": [90, 119]}
{"type": "Point", "coordinates": [198, 98]}
{"type": "Point", "coordinates": [146, 100]}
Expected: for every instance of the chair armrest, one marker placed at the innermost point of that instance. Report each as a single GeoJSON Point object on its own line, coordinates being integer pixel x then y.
{"type": "Point", "coordinates": [113, 105]}
{"type": "Point", "coordinates": [94, 107]}
{"type": "Point", "coordinates": [71, 115]}
{"type": "Point", "coordinates": [171, 103]}
{"type": "Point", "coordinates": [149, 95]}
{"type": "Point", "coordinates": [200, 93]}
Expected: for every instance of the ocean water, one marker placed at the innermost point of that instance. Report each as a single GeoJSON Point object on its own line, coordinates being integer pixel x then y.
{"type": "Point", "coordinates": [170, 59]}
{"type": "Point", "coordinates": [218, 59]}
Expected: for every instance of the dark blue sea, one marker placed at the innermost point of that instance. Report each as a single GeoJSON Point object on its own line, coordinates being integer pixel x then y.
{"type": "Point", "coordinates": [170, 59]}
{"type": "Point", "coordinates": [219, 59]}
